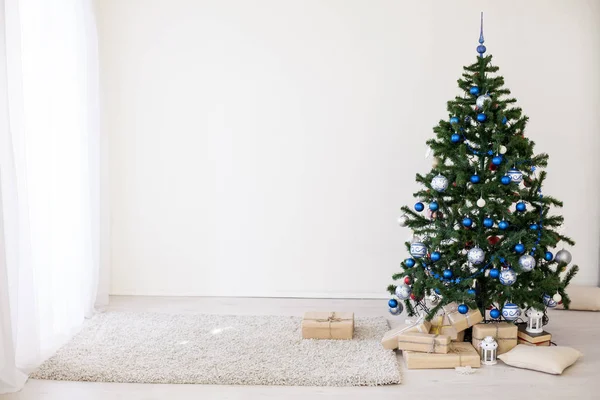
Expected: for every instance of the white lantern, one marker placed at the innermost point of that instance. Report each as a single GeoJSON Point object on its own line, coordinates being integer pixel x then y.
{"type": "Point", "coordinates": [489, 349]}
{"type": "Point", "coordinates": [534, 324]}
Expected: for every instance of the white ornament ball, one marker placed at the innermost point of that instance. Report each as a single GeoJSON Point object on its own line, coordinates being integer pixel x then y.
{"type": "Point", "coordinates": [511, 311]}
{"type": "Point", "coordinates": [481, 100]}
{"type": "Point", "coordinates": [515, 175]}
{"type": "Point", "coordinates": [527, 262]}
{"type": "Point", "coordinates": [480, 203]}
{"type": "Point", "coordinates": [508, 277]}
{"type": "Point", "coordinates": [476, 256]}
{"type": "Point", "coordinates": [549, 301]}
{"type": "Point", "coordinates": [418, 250]}
{"type": "Point", "coordinates": [403, 292]}
{"type": "Point", "coordinates": [557, 298]}
{"type": "Point", "coordinates": [563, 257]}
{"type": "Point", "coordinates": [502, 150]}
{"type": "Point", "coordinates": [402, 220]}
{"type": "Point", "coordinates": [439, 183]}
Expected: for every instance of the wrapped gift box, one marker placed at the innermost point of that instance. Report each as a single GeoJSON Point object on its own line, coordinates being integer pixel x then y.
{"type": "Point", "coordinates": [390, 339]}
{"type": "Point", "coordinates": [460, 355]}
{"type": "Point", "coordinates": [440, 325]}
{"type": "Point", "coordinates": [533, 338]}
{"type": "Point", "coordinates": [525, 342]}
{"type": "Point", "coordinates": [459, 321]}
{"type": "Point", "coordinates": [424, 342]}
{"type": "Point", "coordinates": [505, 334]}
{"type": "Point", "coordinates": [328, 325]}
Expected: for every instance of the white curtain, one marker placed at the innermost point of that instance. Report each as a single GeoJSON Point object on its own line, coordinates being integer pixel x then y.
{"type": "Point", "coordinates": [49, 179]}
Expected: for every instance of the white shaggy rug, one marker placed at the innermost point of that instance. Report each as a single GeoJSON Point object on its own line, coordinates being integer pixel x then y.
{"type": "Point", "coordinates": [220, 349]}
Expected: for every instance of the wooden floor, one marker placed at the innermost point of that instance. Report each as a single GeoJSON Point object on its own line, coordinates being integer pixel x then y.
{"type": "Point", "coordinates": [577, 329]}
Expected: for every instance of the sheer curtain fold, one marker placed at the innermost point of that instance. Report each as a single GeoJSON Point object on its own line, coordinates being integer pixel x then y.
{"type": "Point", "coordinates": [49, 179]}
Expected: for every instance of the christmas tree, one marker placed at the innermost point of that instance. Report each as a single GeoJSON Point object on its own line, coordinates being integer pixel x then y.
{"type": "Point", "coordinates": [482, 229]}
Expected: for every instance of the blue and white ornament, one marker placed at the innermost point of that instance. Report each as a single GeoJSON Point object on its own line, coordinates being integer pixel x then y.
{"type": "Point", "coordinates": [396, 310]}
{"type": "Point", "coordinates": [510, 311]}
{"type": "Point", "coordinates": [508, 277]}
{"type": "Point", "coordinates": [418, 250]}
{"type": "Point", "coordinates": [549, 301]}
{"type": "Point", "coordinates": [527, 262]}
{"type": "Point", "coordinates": [476, 256]}
{"type": "Point", "coordinates": [403, 292]}
{"type": "Point", "coordinates": [439, 183]}
{"type": "Point", "coordinates": [515, 175]}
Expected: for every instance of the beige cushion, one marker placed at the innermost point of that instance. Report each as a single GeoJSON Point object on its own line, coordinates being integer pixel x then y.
{"type": "Point", "coordinates": [585, 298]}
{"type": "Point", "coordinates": [552, 360]}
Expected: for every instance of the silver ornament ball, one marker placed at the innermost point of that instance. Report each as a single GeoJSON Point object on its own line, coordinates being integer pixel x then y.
{"type": "Point", "coordinates": [527, 262]}
{"type": "Point", "coordinates": [476, 256]}
{"type": "Point", "coordinates": [397, 310]}
{"type": "Point", "coordinates": [403, 292]}
{"type": "Point", "coordinates": [481, 100]}
{"type": "Point", "coordinates": [480, 203]}
{"type": "Point", "coordinates": [402, 220]}
{"type": "Point", "coordinates": [563, 257]}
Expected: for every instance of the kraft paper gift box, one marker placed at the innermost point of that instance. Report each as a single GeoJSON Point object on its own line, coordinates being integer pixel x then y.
{"type": "Point", "coordinates": [390, 339]}
{"type": "Point", "coordinates": [525, 342]}
{"type": "Point", "coordinates": [328, 325]}
{"type": "Point", "coordinates": [441, 326]}
{"type": "Point", "coordinates": [460, 355]}
{"type": "Point", "coordinates": [505, 334]}
{"type": "Point", "coordinates": [424, 342]}
{"type": "Point", "coordinates": [459, 321]}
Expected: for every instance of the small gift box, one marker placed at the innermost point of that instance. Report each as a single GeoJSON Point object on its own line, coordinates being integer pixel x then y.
{"type": "Point", "coordinates": [533, 338]}
{"type": "Point", "coordinates": [424, 342]}
{"type": "Point", "coordinates": [328, 325]}
{"type": "Point", "coordinates": [505, 334]}
{"type": "Point", "coordinates": [441, 326]}
{"type": "Point", "coordinates": [460, 355]}
{"type": "Point", "coordinates": [459, 321]}
{"type": "Point", "coordinates": [390, 339]}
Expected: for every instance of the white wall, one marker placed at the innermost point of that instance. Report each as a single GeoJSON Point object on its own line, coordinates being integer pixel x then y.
{"type": "Point", "coordinates": [263, 148]}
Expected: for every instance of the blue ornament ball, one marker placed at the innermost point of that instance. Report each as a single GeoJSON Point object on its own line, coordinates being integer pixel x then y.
{"type": "Point", "coordinates": [521, 206]}
{"type": "Point", "coordinates": [481, 49]}
{"type": "Point", "coordinates": [519, 248]}
{"type": "Point", "coordinates": [548, 256]}
{"type": "Point", "coordinates": [475, 179]}
{"type": "Point", "coordinates": [433, 206]}
{"type": "Point", "coordinates": [419, 207]}
{"type": "Point", "coordinates": [533, 227]}
{"type": "Point", "coordinates": [393, 303]}
{"type": "Point", "coordinates": [437, 291]}
{"type": "Point", "coordinates": [495, 313]}
{"type": "Point", "coordinates": [409, 262]}
{"type": "Point", "coordinates": [488, 222]}
{"type": "Point", "coordinates": [472, 292]}
{"type": "Point", "coordinates": [467, 222]}
{"type": "Point", "coordinates": [494, 273]}
{"type": "Point", "coordinates": [455, 138]}
{"type": "Point", "coordinates": [481, 117]}
{"type": "Point", "coordinates": [503, 225]}
{"type": "Point", "coordinates": [463, 309]}
{"type": "Point", "coordinates": [497, 160]}
{"type": "Point", "coordinates": [447, 274]}
{"type": "Point", "coordinates": [505, 180]}
{"type": "Point", "coordinates": [454, 120]}
{"type": "Point", "coordinates": [474, 90]}
{"type": "Point", "coordinates": [435, 256]}
{"type": "Point", "coordinates": [504, 120]}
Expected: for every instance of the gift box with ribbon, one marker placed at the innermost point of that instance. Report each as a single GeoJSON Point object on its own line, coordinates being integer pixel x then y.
{"type": "Point", "coordinates": [459, 321]}
{"type": "Point", "coordinates": [505, 334]}
{"type": "Point", "coordinates": [328, 325]}
{"type": "Point", "coordinates": [424, 342]}
{"type": "Point", "coordinates": [460, 354]}
{"type": "Point", "coordinates": [390, 339]}
{"type": "Point", "coordinates": [441, 326]}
